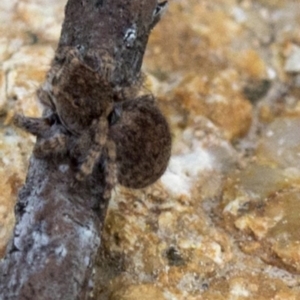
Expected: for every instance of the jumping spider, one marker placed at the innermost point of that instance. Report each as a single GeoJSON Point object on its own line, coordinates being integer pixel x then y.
{"type": "Point", "coordinates": [80, 102]}
{"type": "Point", "coordinates": [84, 120]}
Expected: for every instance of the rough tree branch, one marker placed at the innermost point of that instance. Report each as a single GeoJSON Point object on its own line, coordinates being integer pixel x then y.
{"type": "Point", "coordinates": [56, 237]}
{"type": "Point", "coordinates": [58, 218]}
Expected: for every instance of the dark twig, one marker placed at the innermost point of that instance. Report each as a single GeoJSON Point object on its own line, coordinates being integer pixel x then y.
{"type": "Point", "coordinates": [57, 235]}
{"type": "Point", "coordinates": [94, 128]}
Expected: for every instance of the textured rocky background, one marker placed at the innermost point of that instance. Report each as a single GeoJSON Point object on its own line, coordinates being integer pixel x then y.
{"type": "Point", "coordinates": [223, 222]}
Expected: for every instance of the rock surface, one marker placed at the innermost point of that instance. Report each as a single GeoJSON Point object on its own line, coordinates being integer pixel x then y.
{"type": "Point", "coordinates": [222, 223]}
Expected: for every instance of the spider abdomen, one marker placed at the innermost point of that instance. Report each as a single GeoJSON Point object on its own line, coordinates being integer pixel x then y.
{"type": "Point", "coordinates": [143, 143]}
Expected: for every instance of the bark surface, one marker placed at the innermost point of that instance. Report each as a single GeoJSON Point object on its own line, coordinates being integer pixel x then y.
{"type": "Point", "coordinates": [57, 235]}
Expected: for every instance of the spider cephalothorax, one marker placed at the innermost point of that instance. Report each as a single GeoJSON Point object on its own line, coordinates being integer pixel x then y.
{"type": "Point", "coordinates": [77, 93]}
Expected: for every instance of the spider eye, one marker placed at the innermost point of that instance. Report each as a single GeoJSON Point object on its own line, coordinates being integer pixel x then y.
{"type": "Point", "coordinates": [115, 115]}
{"type": "Point", "coordinates": [54, 119]}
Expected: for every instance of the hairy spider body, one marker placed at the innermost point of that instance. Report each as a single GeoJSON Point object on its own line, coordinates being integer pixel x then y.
{"type": "Point", "coordinates": [91, 110]}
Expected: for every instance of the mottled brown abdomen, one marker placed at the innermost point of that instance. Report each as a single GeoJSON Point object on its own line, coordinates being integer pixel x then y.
{"type": "Point", "coordinates": [143, 141]}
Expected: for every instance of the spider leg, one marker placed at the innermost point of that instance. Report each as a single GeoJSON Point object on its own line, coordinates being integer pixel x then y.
{"type": "Point", "coordinates": [57, 144]}
{"type": "Point", "coordinates": [99, 131]}
{"type": "Point", "coordinates": [44, 96]}
{"type": "Point", "coordinates": [35, 126]}
{"type": "Point", "coordinates": [110, 169]}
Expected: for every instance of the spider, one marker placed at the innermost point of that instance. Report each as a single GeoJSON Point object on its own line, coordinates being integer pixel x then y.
{"type": "Point", "coordinates": [79, 102]}
{"type": "Point", "coordinates": [82, 119]}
